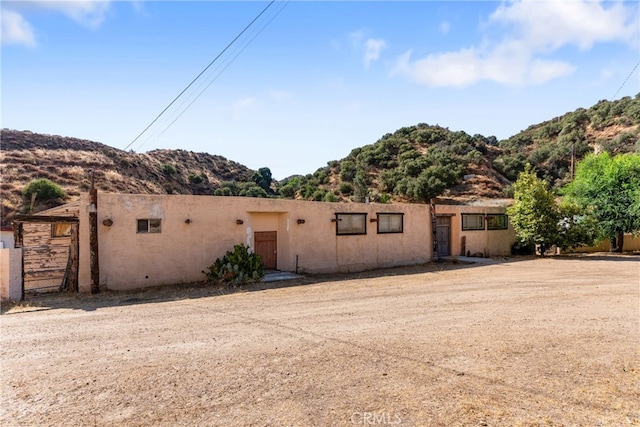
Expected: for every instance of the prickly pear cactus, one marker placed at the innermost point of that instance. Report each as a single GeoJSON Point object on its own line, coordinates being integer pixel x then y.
{"type": "Point", "coordinates": [236, 268]}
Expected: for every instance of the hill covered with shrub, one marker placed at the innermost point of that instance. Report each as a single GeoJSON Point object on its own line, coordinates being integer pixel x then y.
{"type": "Point", "coordinates": [412, 164]}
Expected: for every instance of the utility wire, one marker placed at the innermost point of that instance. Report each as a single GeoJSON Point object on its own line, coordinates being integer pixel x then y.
{"type": "Point", "coordinates": [625, 80]}
{"type": "Point", "coordinates": [221, 71]}
{"type": "Point", "coordinates": [181, 109]}
{"type": "Point", "coordinates": [201, 73]}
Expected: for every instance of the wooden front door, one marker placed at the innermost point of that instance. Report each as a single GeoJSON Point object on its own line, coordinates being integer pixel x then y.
{"type": "Point", "coordinates": [443, 231]}
{"type": "Point", "coordinates": [266, 245]}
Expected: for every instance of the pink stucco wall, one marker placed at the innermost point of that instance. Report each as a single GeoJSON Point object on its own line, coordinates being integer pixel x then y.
{"type": "Point", "coordinates": [179, 253]}
{"type": "Point", "coordinates": [486, 242]}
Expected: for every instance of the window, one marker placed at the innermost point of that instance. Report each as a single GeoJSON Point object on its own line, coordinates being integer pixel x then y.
{"type": "Point", "coordinates": [497, 222]}
{"type": "Point", "coordinates": [60, 230]}
{"type": "Point", "coordinates": [390, 222]}
{"type": "Point", "coordinates": [152, 225]}
{"type": "Point", "coordinates": [472, 222]}
{"type": "Point", "coordinates": [351, 223]}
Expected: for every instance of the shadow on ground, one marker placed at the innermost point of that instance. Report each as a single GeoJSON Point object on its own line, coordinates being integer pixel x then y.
{"type": "Point", "coordinates": [187, 291]}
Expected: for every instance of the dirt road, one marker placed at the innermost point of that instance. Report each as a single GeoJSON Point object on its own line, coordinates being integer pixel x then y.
{"type": "Point", "coordinates": [518, 342]}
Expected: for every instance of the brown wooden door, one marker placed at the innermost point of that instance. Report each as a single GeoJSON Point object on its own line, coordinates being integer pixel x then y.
{"type": "Point", "coordinates": [266, 244]}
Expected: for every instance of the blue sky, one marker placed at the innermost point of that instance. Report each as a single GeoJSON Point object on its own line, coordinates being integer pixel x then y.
{"type": "Point", "coordinates": [310, 80]}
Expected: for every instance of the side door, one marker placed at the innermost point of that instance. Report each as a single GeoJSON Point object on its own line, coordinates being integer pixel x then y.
{"type": "Point", "coordinates": [443, 233]}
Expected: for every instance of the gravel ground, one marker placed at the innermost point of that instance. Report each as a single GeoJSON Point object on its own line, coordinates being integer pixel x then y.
{"type": "Point", "coordinates": [518, 342]}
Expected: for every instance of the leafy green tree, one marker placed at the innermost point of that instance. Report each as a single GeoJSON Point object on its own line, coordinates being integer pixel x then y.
{"type": "Point", "coordinates": [263, 178]}
{"type": "Point", "coordinates": [347, 170]}
{"type": "Point", "coordinates": [609, 188]}
{"type": "Point", "coordinates": [534, 214]}
{"type": "Point", "coordinates": [360, 186]}
{"type": "Point", "coordinates": [288, 187]}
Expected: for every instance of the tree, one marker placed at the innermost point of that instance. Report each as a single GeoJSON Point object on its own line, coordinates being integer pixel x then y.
{"type": "Point", "coordinates": [534, 214]}
{"type": "Point", "coordinates": [46, 192]}
{"type": "Point", "coordinates": [263, 178]}
{"type": "Point", "coordinates": [609, 188]}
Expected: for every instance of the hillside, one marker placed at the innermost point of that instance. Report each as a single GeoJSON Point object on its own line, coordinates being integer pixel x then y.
{"type": "Point", "coordinates": [419, 162]}
{"type": "Point", "coordinates": [25, 156]}
{"type": "Point", "coordinates": [413, 164]}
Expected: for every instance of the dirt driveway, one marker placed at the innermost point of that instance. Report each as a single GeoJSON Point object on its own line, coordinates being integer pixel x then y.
{"type": "Point", "coordinates": [519, 342]}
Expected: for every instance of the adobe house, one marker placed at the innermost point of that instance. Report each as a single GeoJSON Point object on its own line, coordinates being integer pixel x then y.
{"type": "Point", "coordinates": [150, 240]}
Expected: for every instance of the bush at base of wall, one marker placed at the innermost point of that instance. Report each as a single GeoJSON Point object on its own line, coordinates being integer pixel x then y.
{"type": "Point", "coordinates": [236, 268]}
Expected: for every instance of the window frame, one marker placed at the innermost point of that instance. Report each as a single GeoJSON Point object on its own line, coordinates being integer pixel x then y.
{"type": "Point", "coordinates": [339, 220]}
{"type": "Point", "coordinates": [149, 229]}
{"type": "Point", "coordinates": [390, 215]}
{"type": "Point", "coordinates": [58, 235]}
{"type": "Point", "coordinates": [490, 217]}
{"type": "Point", "coordinates": [465, 227]}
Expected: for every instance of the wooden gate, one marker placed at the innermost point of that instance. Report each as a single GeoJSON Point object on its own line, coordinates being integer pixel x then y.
{"type": "Point", "coordinates": [50, 249]}
{"type": "Point", "coordinates": [266, 245]}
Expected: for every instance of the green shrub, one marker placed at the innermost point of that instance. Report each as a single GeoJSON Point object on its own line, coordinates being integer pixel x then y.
{"type": "Point", "coordinates": [346, 188]}
{"type": "Point", "coordinates": [236, 268]}
{"type": "Point", "coordinates": [195, 179]}
{"type": "Point", "coordinates": [330, 197]}
{"type": "Point", "coordinates": [168, 169]}
{"type": "Point", "coordinates": [44, 190]}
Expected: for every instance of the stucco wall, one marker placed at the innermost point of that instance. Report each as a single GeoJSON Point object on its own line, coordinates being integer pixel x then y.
{"type": "Point", "coordinates": [631, 243]}
{"type": "Point", "coordinates": [486, 242]}
{"type": "Point", "coordinates": [182, 250]}
{"type": "Point", "coordinates": [11, 274]}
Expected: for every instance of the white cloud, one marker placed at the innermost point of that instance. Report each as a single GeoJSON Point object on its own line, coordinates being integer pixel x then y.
{"type": "Point", "coordinates": [519, 58]}
{"type": "Point", "coordinates": [552, 24]}
{"type": "Point", "coordinates": [16, 30]}
{"type": "Point", "coordinates": [372, 48]}
{"type": "Point", "coordinates": [541, 71]}
{"type": "Point", "coordinates": [89, 13]}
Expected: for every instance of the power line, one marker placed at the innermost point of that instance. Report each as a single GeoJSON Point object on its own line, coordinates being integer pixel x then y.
{"type": "Point", "coordinates": [218, 75]}
{"type": "Point", "coordinates": [180, 110]}
{"type": "Point", "coordinates": [201, 73]}
{"type": "Point", "coordinates": [625, 80]}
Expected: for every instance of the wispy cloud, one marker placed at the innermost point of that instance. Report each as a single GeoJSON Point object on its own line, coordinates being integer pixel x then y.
{"type": "Point", "coordinates": [535, 29]}
{"type": "Point", "coordinates": [372, 48]}
{"type": "Point", "coordinates": [445, 27]}
{"type": "Point", "coordinates": [16, 28]}
{"type": "Point", "coordinates": [369, 47]}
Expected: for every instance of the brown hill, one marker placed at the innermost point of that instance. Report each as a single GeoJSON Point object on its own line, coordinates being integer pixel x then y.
{"type": "Point", "coordinates": [68, 161]}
